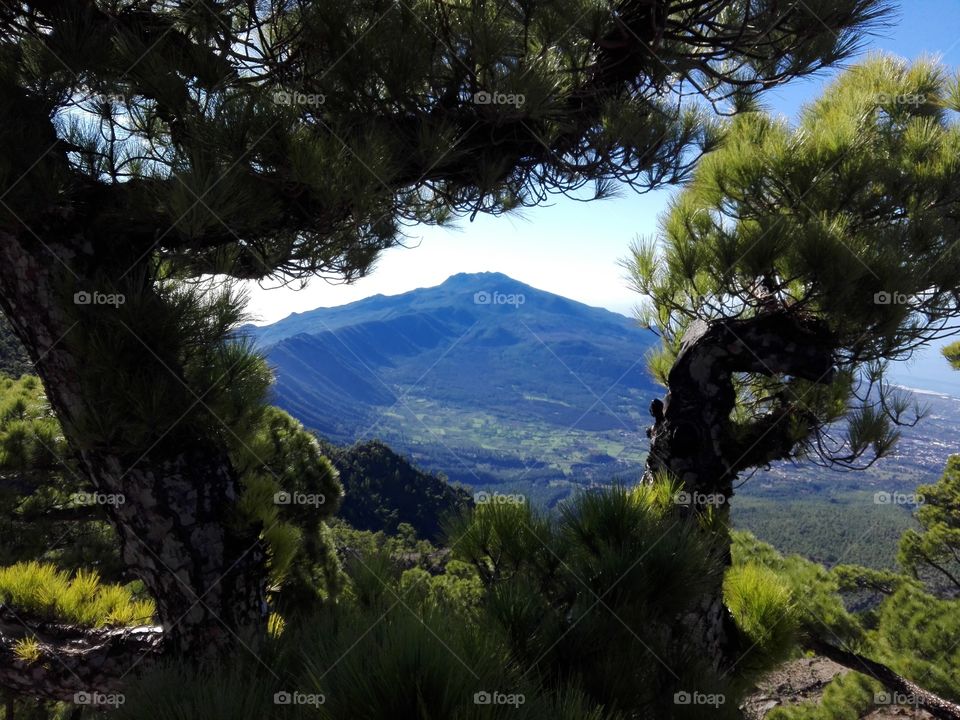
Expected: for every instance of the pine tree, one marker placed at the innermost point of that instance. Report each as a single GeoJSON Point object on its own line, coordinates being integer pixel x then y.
{"type": "Point", "coordinates": [933, 552]}
{"type": "Point", "coordinates": [143, 144]}
{"type": "Point", "coordinates": [798, 263]}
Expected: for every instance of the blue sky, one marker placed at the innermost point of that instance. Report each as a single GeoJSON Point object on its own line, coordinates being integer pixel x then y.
{"type": "Point", "coordinates": [572, 248]}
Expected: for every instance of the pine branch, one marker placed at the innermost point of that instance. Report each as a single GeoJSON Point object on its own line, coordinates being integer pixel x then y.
{"type": "Point", "coordinates": [924, 699]}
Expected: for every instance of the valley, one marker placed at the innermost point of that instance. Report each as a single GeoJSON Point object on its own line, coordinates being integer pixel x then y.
{"type": "Point", "coordinates": [547, 396]}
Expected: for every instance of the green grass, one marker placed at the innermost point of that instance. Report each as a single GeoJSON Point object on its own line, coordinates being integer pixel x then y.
{"type": "Point", "coordinates": [43, 590]}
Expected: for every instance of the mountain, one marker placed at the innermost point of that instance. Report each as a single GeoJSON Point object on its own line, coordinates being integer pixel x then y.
{"type": "Point", "coordinates": [479, 372]}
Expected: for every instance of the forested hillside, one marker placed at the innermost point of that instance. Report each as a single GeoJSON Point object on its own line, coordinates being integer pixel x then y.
{"type": "Point", "coordinates": [382, 490]}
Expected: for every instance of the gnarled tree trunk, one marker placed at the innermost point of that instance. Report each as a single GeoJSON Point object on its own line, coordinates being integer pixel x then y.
{"type": "Point", "coordinates": [175, 526]}
{"type": "Point", "coordinates": [693, 438]}
{"type": "Point", "coordinates": [694, 441]}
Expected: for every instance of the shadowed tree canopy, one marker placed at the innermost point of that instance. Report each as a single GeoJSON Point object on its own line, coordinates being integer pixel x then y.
{"type": "Point", "coordinates": [146, 144]}
{"type": "Point", "coordinates": [798, 263]}
{"type": "Point", "coordinates": [254, 139]}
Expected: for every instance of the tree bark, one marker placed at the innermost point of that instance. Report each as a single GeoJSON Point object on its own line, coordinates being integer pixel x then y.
{"type": "Point", "coordinates": [694, 441]}
{"type": "Point", "coordinates": [693, 438]}
{"type": "Point", "coordinates": [176, 527]}
{"type": "Point", "coordinates": [73, 660]}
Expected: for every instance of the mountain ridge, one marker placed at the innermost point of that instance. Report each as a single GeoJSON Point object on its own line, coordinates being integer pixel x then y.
{"type": "Point", "coordinates": [467, 364]}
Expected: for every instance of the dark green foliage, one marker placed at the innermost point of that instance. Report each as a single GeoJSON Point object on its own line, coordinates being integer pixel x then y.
{"type": "Point", "coordinates": [590, 596]}
{"type": "Point", "coordinates": [917, 633]}
{"type": "Point", "coordinates": [828, 525]}
{"type": "Point", "coordinates": [383, 490]}
{"type": "Point", "coordinates": [848, 697]}
{"type": "Point", "coordinates": [138, 400]}
{"type": "Point", "coordinates": [388, 130]}
{"type": "Point", "coordinates": [519, 614]}
{"type": "Point", "coordinates": [46, 509]}
{"type": "Point", "coordinates": [817, 608]}
{"type": "Point", "coordinates": [902, 626]}
{"type": "Point", "coordinates": [291, 488]}
{"type": "Point", "coordinates": [370, 663]}
{"type": "Point", "coordinates": [846, 223]}
{"type": "Point", "coordinates": [933, 551]}
{"type": "Point", "coordinates": [50, 513]}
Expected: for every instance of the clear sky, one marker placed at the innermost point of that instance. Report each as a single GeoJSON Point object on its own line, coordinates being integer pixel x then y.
{"type": "Point", "coordinates": [572, 248]}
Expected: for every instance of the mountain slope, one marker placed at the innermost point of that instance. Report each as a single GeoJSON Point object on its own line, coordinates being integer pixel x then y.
{"type": "Point", "coordinates": [382, 490]}
{"type": "Point", "coordinates": [479, 362]}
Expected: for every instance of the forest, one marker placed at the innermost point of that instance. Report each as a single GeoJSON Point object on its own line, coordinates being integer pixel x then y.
{"type": "Point", "coordinates": [173, 545]}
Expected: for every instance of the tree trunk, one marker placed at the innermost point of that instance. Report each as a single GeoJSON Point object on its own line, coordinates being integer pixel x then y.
{"type": "Point", "coordinates": [176, 525]}
{"type": "Point", "coordinates": [692, 438]}
{"type": "Point", "coordinates": [72, 661]}
{"type": "Point", "coordinates": [694, 441]}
